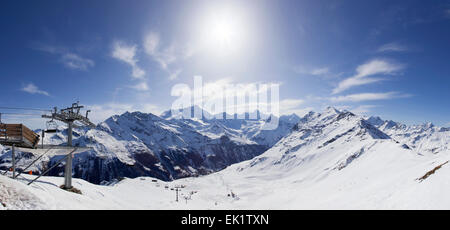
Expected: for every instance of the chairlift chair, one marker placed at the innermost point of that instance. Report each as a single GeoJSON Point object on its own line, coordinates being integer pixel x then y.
{"type": "Point", "coordinates": [52, 127]}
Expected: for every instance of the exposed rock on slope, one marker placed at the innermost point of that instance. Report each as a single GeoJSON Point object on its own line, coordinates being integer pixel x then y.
{"type": "Point", "coordinates": [139, 144]}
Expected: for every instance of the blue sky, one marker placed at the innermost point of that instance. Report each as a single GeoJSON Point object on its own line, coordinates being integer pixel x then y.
{"type": "Point", "coordinates": [386, 58]}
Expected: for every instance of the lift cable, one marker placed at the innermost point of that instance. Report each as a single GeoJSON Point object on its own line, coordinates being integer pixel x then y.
{"type": "Point", "coordinates": [21, 108]}
{"type": "Point", "coordinates": [18, 114]}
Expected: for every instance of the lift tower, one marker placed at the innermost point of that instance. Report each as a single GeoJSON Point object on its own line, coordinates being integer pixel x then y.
{"type": "Point", "coordinates": [70, 115]}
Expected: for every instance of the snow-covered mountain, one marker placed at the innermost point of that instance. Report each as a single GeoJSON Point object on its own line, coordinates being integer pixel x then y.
{"type": "Point", "coordinates": [425, 138]}
{"type": "Point", "coordinates": [329, 160]}
{"type": "Point", "coordinates": [336, 159]}
{"type": "Point", "coordinates": [139, 144]}
{"type": "Point", "coordinates": [328, 141]}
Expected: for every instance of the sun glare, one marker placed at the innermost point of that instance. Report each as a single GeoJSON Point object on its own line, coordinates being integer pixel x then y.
{"type": "Point", "coordinates": [223, 31]}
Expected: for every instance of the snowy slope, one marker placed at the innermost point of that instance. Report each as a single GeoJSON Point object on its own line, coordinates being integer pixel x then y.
{"type": "Point", "coordinates": [384, 176]}
{"type": "Point", "coordinates": [139, 144]}
{"type": "Point", "coordinates": [329, 160]}
{"type": "Point", "coordinates": [384, 179]}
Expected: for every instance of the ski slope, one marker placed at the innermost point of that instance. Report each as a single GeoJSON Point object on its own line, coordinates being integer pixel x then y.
{"type": "Point", "coordinates": [331, 160]}
{"type": "Point", "coordinates": [387, 187]}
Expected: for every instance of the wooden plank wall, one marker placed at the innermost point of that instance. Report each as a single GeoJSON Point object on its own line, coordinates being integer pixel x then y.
{"type": "Point", "coordinates": [19, 133]}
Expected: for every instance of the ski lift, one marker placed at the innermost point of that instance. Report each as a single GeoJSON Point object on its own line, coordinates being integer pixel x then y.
{"type": "Point", "coordinates": [52, 127]}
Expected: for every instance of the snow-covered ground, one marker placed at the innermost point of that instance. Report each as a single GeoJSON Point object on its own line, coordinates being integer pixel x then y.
{"type": "Point", "coordinates": [385, 187]}
{"type": "Point", "coordinates": [332, 160]}
{"type": "Point", "coordinates": [143, 144]}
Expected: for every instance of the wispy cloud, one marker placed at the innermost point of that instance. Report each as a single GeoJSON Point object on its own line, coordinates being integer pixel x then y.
{"type": "Point", "coordinates": [33, 89]}
{"type": "Point", "coordinates": [368, 97]}
{"type": "Point", "coordinates": [321, 71]}
{"type": "Point", "coordinates": [69, 59]}
{"type": "Point", "coordinates": [142, 86]}
{"type": "Point", "coordinates": [127, 53]}
{"type": "Point", "coordinates": [174, 75]}
{"type": "Point", "coordinates": [152, 47]}
{"type": "Point", "coordinates": [360, 109]}
{"type": "Point", "coordinates": [290, 106]}
{"type": "Point", "coordinates": [166, 56]}
{"type": "Point", "coordinates": [74, 61]}
{"type": "Point", "coordinates": [363, 109]}
{"type": "Point", "coordinates": [364, 71]}
{"type": "Point", "coordinates": [291, 103]}
{"type": "Point", "coordinates": [392, 47]}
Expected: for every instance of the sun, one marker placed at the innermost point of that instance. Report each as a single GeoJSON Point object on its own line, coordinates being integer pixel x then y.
{"type": "Point", "coordinates": [223, 31]}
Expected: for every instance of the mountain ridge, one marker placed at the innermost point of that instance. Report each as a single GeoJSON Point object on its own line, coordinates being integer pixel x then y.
{"type": "Point", "coordinates": [136, 144]}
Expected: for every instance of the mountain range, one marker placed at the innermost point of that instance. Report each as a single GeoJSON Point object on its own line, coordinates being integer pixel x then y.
{"type": "Point", "coordinates": [143, 144]}
{"type": "Point", "coordinates": [137, 144]}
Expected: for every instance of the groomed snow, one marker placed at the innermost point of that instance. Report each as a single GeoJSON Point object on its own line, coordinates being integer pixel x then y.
{"type": "Point", "coordinates": [332, 160]}
{"type": "Point", "coordinates": [393, 185]}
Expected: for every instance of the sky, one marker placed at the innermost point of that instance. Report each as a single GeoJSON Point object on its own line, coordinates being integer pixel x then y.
{"type": "Point", "coordinates": [387, 58]}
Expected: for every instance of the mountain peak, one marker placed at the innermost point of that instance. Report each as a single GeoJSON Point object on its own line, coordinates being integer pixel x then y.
{"type": "Point", "coordinates": [140, 115]}
{"type": "Point", "coordinates": [375, 121]}
{"type": "Point", "coordinates": [331, 110]}
{"type": "Point", "coordinates": [192, 110]}
{"type": "Point", "coordinates": [253, 115]}
{"type": "Point", "coordinates": [428, 125]}
{"type": "Point", "coordinates": [291, 118]}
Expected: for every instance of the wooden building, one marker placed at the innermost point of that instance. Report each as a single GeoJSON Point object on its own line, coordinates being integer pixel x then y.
{"type": "Point", "coordinates": [19, 135]}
